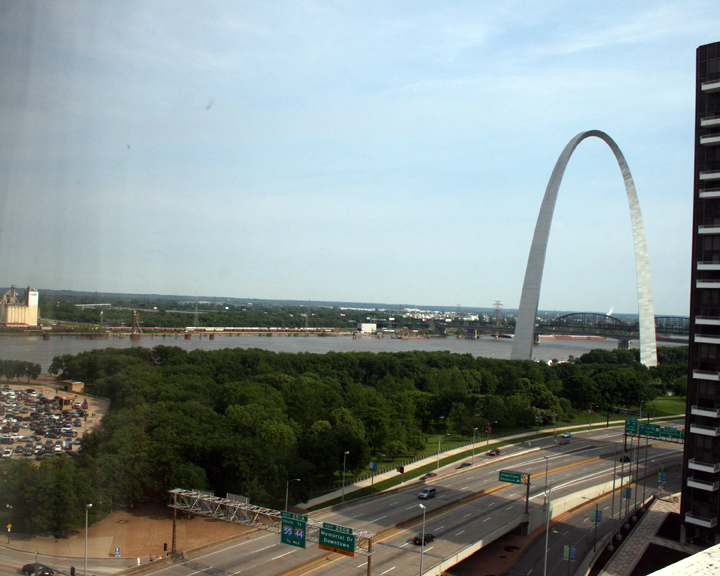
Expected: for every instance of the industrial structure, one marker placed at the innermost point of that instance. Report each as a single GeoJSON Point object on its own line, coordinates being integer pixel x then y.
{"type": "Point", "coordinates": [701, 470]}
{"type": "Point", "coordinates": [17, 312]}
{"type": "Point", "coordinates": [530, 296]}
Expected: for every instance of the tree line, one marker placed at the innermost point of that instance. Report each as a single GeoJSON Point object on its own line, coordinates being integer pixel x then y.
{"type": "Point", "coordinates": [17, 369]}
{"type": "Point", "coordinates": [245, 420]}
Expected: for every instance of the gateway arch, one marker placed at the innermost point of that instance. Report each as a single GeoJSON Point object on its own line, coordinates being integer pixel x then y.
{"type": "Point", "coordinates": [527, 313]}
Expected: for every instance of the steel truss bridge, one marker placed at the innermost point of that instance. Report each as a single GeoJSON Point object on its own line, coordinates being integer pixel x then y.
{"type": "Point", "coordinates": [205, 504]}
{"type": "Point", "coordinates": [667, 328]}
{"type": "Point", "coordinates": [602, 322]}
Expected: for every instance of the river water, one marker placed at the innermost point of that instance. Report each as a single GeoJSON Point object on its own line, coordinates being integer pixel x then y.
{"type": "Point", "coordinates": [35, 349]}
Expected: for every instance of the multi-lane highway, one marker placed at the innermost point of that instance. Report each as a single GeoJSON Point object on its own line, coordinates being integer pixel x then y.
{"type": "Point", "coordinates": [487, 505]}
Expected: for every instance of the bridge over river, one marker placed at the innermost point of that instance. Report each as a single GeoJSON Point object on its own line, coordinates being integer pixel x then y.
{"type": "Point", "coordinates": [578, 324]}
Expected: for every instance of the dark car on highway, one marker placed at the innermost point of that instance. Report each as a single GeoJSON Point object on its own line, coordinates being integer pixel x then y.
{"type": "Point", "coordinates": [42, 570]}
{"type": "Point", "coordinates": [419, 538]}
{"type": "Point", "coordinates": [464, 465]}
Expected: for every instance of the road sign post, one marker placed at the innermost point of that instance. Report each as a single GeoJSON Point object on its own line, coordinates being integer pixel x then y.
{"type": "Point", "coordinates": [338, 539]}
{"type": "Point", "coordinates": [517, 478]}
{"type": "Point", "coordinates": [293, 530]}
{"type": "Point", "coordinates": [631, 425]}
{"type": "Point", "coordinates": [511, 477]}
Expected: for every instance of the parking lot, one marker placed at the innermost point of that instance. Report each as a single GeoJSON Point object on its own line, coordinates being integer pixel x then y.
{"type": "Point", "coordinates": [33, 426]}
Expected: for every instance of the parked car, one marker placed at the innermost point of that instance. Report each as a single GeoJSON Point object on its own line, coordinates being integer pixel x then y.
{"type": "Point", "coordinates": [494, 452]}
{"type": "Point", "coordinates": [427, 537]}
{"type": "Point", "coordinates": [7, 453]}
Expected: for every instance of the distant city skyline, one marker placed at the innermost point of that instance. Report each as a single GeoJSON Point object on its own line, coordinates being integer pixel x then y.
{"type": "Point", "coordinates": [346, 151]}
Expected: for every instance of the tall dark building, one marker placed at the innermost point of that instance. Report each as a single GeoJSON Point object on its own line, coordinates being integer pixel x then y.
{"type": "Point", "coordinates": [701, 477]}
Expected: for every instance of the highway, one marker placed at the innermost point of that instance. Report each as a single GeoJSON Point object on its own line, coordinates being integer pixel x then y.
{"type": "Point", "coordinates": [488, 506]}
{"type": "Point", "coordinates": [578, 530]}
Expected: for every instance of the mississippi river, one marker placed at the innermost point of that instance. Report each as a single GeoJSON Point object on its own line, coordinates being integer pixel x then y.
{"type": "Point", "coordinates": [35, 349]}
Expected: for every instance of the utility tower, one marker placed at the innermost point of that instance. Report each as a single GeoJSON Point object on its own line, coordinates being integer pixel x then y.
{"type": "Point", "coordinates": [498, 308]}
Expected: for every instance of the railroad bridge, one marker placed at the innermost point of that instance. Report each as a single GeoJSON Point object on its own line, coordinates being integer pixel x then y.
{"type": "Point", "coordinates": [667, 328]}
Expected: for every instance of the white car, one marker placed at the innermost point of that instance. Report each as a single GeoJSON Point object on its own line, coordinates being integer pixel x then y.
{"type": "Point", "coordinates": [567, 435]}
{"type": "Point", "coordinates": [7, 453]}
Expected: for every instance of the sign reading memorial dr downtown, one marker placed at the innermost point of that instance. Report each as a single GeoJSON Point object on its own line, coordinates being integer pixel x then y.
{"type": "Point", "coordinates": [338, 539]}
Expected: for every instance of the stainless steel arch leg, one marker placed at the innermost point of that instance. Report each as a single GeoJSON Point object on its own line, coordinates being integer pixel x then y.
{"type": "Point", "coordinates": [525, 328]}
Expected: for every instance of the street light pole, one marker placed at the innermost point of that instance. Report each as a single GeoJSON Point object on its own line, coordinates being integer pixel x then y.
{"type": "Point", "coordinates": [343, 488]}
{"type": "Point", "coordinates": [596, 523]}
{"type": "Point", "coordinates": [422, 544]}
{"type": "Point", "coordinates": [547, 462]}
{"type": "Point", "coordinates": [569, 546]}
{"type": "Point", "coordinates": [547, 530]}
{"type": "Point", "coordinates": [87, 509]}
{"type": "Point", "coordinates": [438, 454]}
{"type": "Point", "coordinates": [473, 454]}
{"type": "Point", "coordinates": [287, 490]}
{"type": "Point", "coordinates": [9, 507]}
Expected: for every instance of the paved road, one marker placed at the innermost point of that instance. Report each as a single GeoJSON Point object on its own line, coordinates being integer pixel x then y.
{"type": "Point", "coordinates": [572, 467]}
{"type": "Point", "coordinates": [578, 530]}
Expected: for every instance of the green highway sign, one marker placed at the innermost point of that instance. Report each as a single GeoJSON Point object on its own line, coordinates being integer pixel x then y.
{"type": "Point", "coordinates": [650, 430]}
{"type": "Point", "coordinates": [335, 541]}
{"type": "Point", "coordinates": [631, 425]}
{"type": "Point", "coordinates": [293, 516]}
{"type": "Point", "coordinates": [293, 529]}
{"type": "Point", "coordinates": [511, 477]}
{"type": "Point", "coordinates": [343, 529]}
{"type": "Point", "coordinates": [672, 433]}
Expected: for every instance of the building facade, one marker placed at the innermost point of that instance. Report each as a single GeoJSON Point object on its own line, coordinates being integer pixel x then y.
{"type": "Point", "coordinates": [701, 476]}
{"type": "Point", "coordinates": [17, 312]}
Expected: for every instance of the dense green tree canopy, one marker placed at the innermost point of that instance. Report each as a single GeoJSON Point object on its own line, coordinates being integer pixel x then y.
{"type": "Point", "coordinates": [244, 421]}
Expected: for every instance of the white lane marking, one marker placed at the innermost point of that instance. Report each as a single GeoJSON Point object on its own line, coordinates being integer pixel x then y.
{"type": "Point", "coordinates": [606, 507]}
{"type": "Point", "coordinates": [361, 565]}
{"type": "Point", "coordinates": [388, 570]}
{"type": "Point", "coordinates": [200, 571]}
{"type": "Point", "coordinates": [528, 574]}
{"type": "Point", "coordinates": [363, 513]}
{"type": "Point", "coordinates": [464, 487]}
{"type": "Point", "coordinates": [428, 549]}
{"type": "Point", "coordinates": [486, 519]}
{"type": "Point", "coordinates": [408, 508]}
{"type": "Point", "coordinates": [511, 495]}
{"type": "Point", "coordinates": [466, 515]}
{"type": "Point", "coordinates": [461, 531]}
{"type": "Point", "coordinates": [491, 504]}
{"type": "Point", "coordinates": [439, 527]}
{"type": "Point", "coordinates": [508, 508]}
{"type": "Point", "coordinates": [376, 519]}
{"type": "Point", "coordinates": [261, 549]}
{"type": "Point", "coordinates": [406, 543]}
{"type": "Point", "coordinates": [392, 503]}
{"type": "Point", "coordinates": [281, 555]}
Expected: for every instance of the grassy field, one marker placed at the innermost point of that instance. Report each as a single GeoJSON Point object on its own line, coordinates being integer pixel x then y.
{"type": "Point", "coordinates": [666, 406]}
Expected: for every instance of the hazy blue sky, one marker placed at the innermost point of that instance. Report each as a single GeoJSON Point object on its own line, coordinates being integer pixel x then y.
{"type": "Point", "coordinates": [346, 150]}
